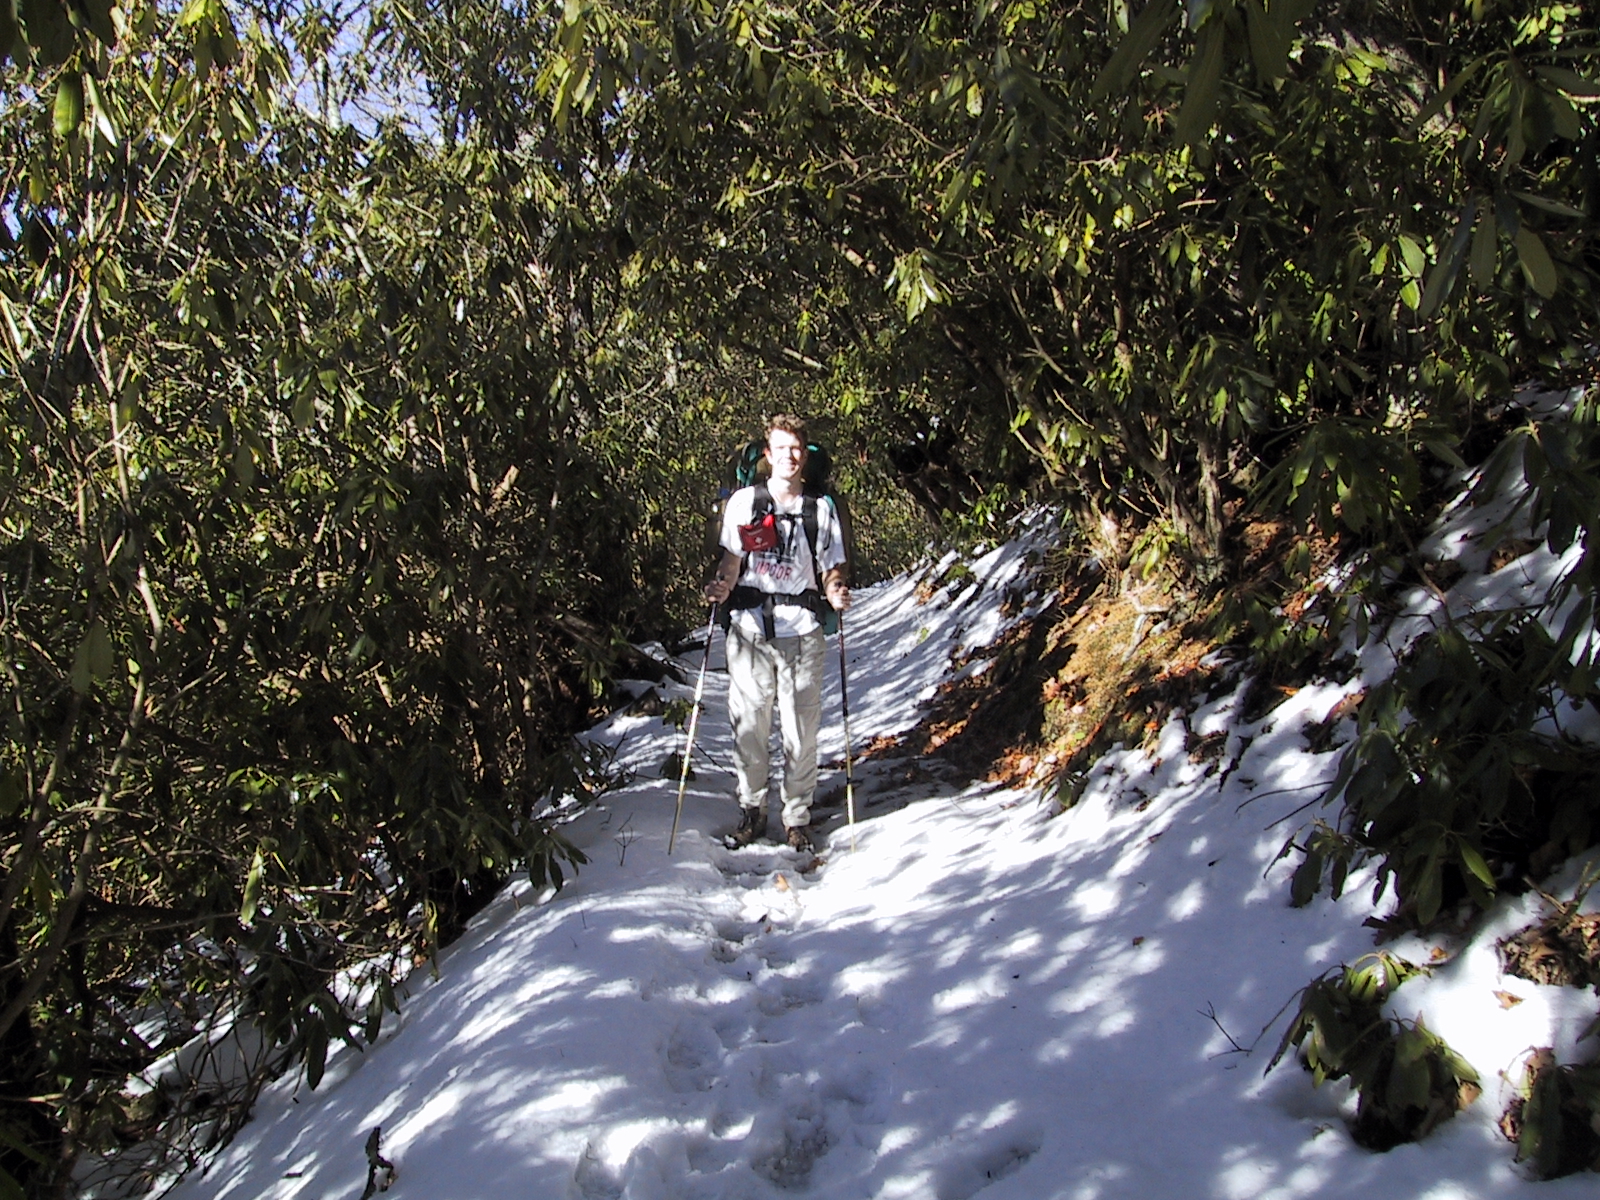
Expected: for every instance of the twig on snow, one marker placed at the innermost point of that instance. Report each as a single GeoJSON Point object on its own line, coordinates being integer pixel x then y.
{"type": "Point", "coordinates": [1210, 1013]}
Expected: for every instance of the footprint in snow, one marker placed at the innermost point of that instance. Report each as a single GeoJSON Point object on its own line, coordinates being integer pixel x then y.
{"type": "Point", "coordinates": [593, 1179]}
{"type": "Point", "coordinates": [877, 1013]}
{"type": "Point", "coordinates": [787, 1153]}
{"type": "Point", "coordinates": [791, 994]}
{"type": "Point", "coordinates": [752, 866]}
{"type": "Point", "coordinates": [692, 1055]}
{"type": "Point", "coordinates": [998, 1153]}
{"type": "Point", "coordinates": [863, 1089]}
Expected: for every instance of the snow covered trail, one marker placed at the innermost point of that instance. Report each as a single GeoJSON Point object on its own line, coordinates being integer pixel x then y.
{"type": "Point", "coordinates": [981, 999]}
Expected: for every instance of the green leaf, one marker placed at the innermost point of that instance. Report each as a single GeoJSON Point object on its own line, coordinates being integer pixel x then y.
{"type": "Point", "coordinates": [1485, 248]}
{"type": "Point", "coordinates": [1536, 263]}
{"type": "Point", "coordinates": [1271, 37]}
{"type": "Point", "coordinates": [252, 888]}
{"type": "Point", "coordinates": [1307, 879]}
{"type": "Point", "coordinates": [92, 663]}
{"type": "Point", "coordinates": [1409, 1080]}
{"type": "Point", "coordinates": [1474, 862]}
{"type": "Point", "coordinates": [1516, 128]}
{"type": "Point", "coordinates": [49, 31]}
{"type": "Point", "coordinates": [1550, 206]}
{"type": "Point", "coordinates": [1459, 1067]}
{"type": "Point", "coordinates": [1570, 82]}
{"type": "Point", "coordinates": [100, 651]}
{"type": "Point", "coordinates": [1204, 88]}
{"type": "Point", "coordinates": [333, 1018]}
{"type": "Point", "coordinates": [12, 794]}
{"type": "Point", "coordinates": [374, 1022]}
{"type": "Point", "coordinates": [1442, 279]}
{"type": "Point", "coordinates": [1585, 1081]}
{"type": "Point", "coordinates": [1429, 892]}
{"type": "Point", "coordinates": [956, 192]}
{"type": "Point", "coordinates": [316, 1050]}
{"type": "Point", "coordinates": [68, 109]}
{"type": "Point", "coordinates": [97, 15]}
{"type": "Point", "coordinates": [10, 33]}
{"type": "Point", "coordinates": [1435, 106]}
{"type": "Point", "coordinates": [917, 284]}
{"type": "Point", "coordinates": [1564, 119]}
{"type": "Point", "coordinates": [1302, 470]}
{"type": "Point", "coordinates": [1446, 453]}
{"type": "Point", "coordinates": [1365, 984]}
{"type": "Point", "coordinates": [1131, 51]}
{"type": "Point", "coordinates": [1411, 254]}
{"type": "Point", "coordinates": [42, 888]}
{"type": "Point", "coordinates": [1292, 1036]}
{"type": "Point", "coordinates": [1336, 880]}
{"type": "Point", "coordinates": [685, 50]}
{"type": "Point", "coordinates": [1412, 1045]}
{"type": "Point", "coordinates": [430, 926]}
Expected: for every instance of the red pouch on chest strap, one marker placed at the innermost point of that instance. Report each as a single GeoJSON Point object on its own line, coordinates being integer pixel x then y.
{"type": "Point", "coordinates": [759, 535]}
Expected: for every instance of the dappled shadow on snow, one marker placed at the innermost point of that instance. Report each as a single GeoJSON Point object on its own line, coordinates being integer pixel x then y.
{"type": "Point", "coordinates": [1086, 980]}
{"type": "Point", "coordinates": [980, 999]}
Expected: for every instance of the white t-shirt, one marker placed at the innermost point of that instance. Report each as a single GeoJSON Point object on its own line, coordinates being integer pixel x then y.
{"type": "Point", "coordinates": [786, 569]}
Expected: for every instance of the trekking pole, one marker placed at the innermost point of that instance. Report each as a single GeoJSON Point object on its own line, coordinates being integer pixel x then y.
{"type": "Point", "coordinates": [694, 722]}
{"type": "Point", "coordinates": [849, 777]}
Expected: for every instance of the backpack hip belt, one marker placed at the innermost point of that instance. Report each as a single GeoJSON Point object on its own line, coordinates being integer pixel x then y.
{"type": "Point", "coordinates": [743, 597]}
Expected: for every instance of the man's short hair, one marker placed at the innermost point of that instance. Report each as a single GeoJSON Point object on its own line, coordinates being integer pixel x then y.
{"type": "Point", "coordinates": [788, 423]}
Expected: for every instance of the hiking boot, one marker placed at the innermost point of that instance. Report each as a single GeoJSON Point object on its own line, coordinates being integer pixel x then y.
{"type": "Point", "coordinates": [752, 827]}
{"type": "Point", "coordinates": [797, 837]}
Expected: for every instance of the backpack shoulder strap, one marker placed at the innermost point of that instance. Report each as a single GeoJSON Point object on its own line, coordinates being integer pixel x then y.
{"type": "Point", "coordinates": [808, 514]}
{"type": "Point", "coordinates": [760, 505]}
{"type": "Point", "coordinates": [827, 616]}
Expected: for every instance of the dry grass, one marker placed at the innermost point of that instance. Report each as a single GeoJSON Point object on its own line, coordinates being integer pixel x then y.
{"type": "Point", "coordinates": [1108, 663]}
{"type": "Point", "coordinates": [1097, 668]}
{"type": "Point", "coordinates": [1562, 948]}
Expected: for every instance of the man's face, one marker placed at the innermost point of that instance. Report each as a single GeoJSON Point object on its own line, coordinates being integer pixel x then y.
{"type": "Point", "coordinates": [786, 453]}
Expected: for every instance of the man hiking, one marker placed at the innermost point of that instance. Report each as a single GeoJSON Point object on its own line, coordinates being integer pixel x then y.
{"type": "Point", "coordinates": [783, 557]}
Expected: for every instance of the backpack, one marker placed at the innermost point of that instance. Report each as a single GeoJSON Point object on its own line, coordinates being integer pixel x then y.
{"type": "Point", "coordinates": [750, 470]}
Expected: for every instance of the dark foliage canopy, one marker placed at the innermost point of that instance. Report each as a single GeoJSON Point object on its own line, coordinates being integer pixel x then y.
{"type": "Point", "coordinates": [367, 372]}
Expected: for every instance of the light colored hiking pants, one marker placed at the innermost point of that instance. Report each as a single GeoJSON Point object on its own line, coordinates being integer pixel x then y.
{"type": "Point", "coordinates": [788, 670]}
